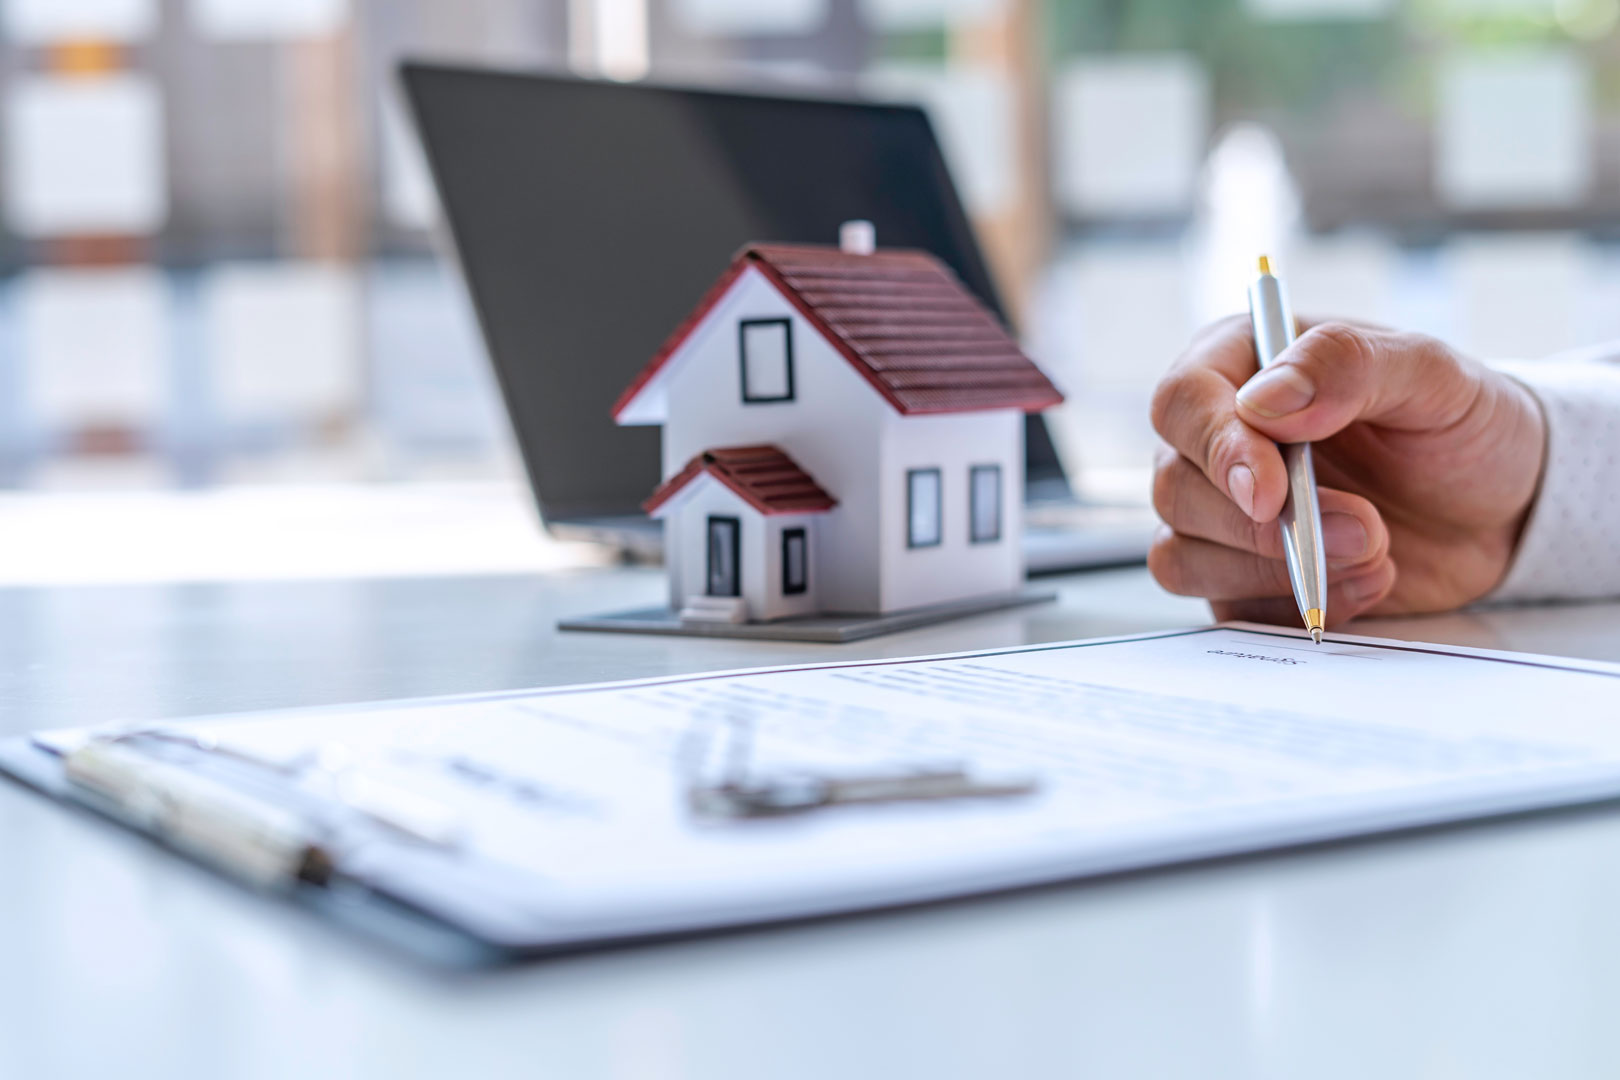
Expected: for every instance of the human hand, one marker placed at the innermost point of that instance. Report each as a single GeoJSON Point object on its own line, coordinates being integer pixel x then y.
{"type": "Point", "coordinates": [1428, 464]}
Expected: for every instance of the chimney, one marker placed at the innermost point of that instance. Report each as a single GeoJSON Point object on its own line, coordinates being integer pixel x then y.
{"type": "Point", "coordinates": [857, 237]}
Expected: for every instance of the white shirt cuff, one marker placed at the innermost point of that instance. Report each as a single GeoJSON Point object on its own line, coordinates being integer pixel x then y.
{"type": "Point", "coordinates": [1571, 544]}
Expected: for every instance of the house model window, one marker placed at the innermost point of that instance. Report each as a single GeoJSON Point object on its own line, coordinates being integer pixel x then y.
{"type": "Point", "coordinates": [925, 527]}
{"type": "Point", "coordinates": [984, 497]}
{"type": "Point", "coordinates": [767, 360]}
{"type": "Point", "coordinates": [795, 562]}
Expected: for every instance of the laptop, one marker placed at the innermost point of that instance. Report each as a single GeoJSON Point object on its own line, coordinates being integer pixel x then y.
{"type": "Point", "coordinates": [589, 217]}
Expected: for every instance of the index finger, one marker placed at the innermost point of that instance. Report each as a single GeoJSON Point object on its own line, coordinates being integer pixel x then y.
{"type": "Point", "coordinates": [1195, 411]}
{"type": "Point", "coordinates": [1226, 347]}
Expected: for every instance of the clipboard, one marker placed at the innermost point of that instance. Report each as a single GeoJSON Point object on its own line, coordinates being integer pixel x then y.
{"type": "Point", "coordinates": [459, 906]}
{"type": "Point", "coordinates": [367, 914]}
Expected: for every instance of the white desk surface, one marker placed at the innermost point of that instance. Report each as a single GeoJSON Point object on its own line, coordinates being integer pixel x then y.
{"type": "Point", "coordinates": [1485, 951]}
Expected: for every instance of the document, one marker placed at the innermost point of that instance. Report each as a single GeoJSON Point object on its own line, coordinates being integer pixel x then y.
{"type": "Point", "coordinates": [559, 816]}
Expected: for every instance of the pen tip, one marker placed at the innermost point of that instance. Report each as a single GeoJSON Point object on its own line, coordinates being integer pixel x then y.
{"type": "Point", "coordinates": [1316, 634]}
{"type": "Point", "coordinates": [1265, 264]}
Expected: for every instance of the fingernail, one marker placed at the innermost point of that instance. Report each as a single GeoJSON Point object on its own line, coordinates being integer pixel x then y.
{"type": "Point", "coordinates": [1344, 536]}
{"type": "Point", "coordinates": [1278, 391]}
{"type": "Point", "coordinates": [1240, 485]}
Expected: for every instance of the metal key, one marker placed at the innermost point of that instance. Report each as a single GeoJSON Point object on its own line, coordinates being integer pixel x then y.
{"type": "Point", "coordinates": [786, 795]}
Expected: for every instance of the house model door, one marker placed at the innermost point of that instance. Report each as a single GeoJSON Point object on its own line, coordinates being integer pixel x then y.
{"type": "Point", "coordinates": [724, 540]}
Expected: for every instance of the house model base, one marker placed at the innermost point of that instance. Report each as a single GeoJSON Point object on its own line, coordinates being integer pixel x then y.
{"type": "Point", "coordinates": [832, 629]}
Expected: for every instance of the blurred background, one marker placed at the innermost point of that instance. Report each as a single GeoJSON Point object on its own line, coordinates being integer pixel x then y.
{"type": "Point", "coordinates": [221, 263]}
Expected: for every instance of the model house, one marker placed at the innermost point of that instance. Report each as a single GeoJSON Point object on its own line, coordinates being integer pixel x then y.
{"type": "Point", "coordinates": [843, 431]}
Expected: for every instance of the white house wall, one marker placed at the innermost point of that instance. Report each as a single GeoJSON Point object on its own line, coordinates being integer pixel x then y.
{"type": "Point", "coordinates": [774, 604]}
{"type": "Point", "coordinates": [834, 429]}
{"type": "Point", "coordinates": [677, 554]}
{"type": "Point", "coordinates": [957, 567]}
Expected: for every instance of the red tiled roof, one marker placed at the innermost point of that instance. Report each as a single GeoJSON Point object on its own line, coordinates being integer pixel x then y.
{"type": "Point", "coordinates": [763, 476]}
{"type": "Point", "coordinates": [901, 318]}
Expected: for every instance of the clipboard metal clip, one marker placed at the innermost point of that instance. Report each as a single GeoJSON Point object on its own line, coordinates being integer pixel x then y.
{"type": "Point", "coordinates": [259, 842]}
{"type": "Point", "coordinates": [245, 829]}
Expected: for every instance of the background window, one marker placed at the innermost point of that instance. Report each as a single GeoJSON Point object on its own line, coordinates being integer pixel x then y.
{"type": "Point", "coordinates": [85, 156]}
{"type": "Point", "coordinates": [1440, 165]}
{"type": "Point", "coordinates": [923, 500]}
{"type": "Point", "coordinates": [795, 562]}
{"type": "Point", "coordinates": [767, 359]}
{"type": "Point", "coordinates": [984, 498]}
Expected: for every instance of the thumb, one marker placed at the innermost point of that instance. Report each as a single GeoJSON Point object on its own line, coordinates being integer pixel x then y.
{"type": "Point", "coordinates": [1335, 375]}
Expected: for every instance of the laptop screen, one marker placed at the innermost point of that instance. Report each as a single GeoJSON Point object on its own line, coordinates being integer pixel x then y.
{"type": "Point", "coordinates": [591, 217]}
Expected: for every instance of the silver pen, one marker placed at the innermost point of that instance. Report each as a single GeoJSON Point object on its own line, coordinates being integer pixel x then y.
{"type": "Point", "coordinates": [1301, 518]}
